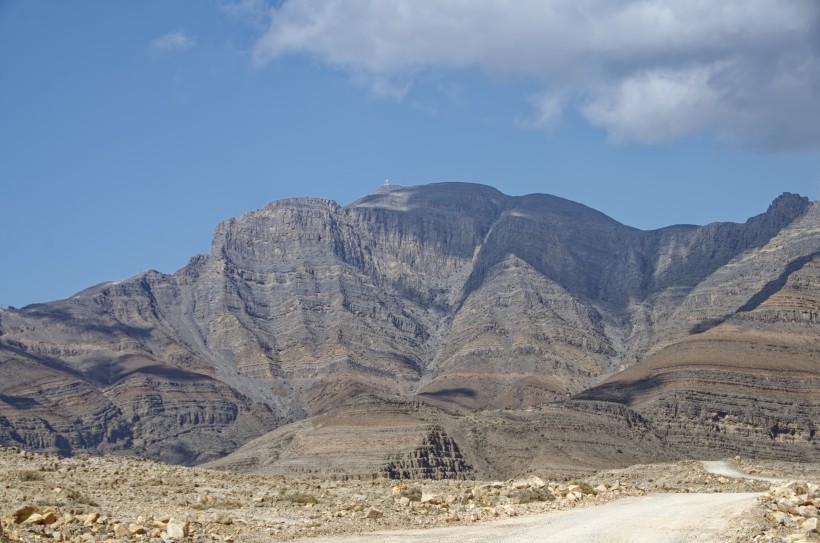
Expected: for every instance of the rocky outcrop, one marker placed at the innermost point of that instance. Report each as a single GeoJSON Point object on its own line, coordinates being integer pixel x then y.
{"type": "Point", "coordinates": [453, 294]}
{"type": "Point", "coordinates": [437, 457]}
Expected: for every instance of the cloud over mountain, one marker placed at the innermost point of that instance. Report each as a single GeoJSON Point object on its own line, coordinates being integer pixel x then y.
{"type": "Point", "coordinates": [643, 70]}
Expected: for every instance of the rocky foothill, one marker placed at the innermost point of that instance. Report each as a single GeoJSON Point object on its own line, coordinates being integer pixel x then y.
{"type": "Point", "coordinates": [88, 499]}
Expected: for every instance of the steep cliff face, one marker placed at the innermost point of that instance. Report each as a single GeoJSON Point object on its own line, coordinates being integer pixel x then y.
{"type": "Point", "coordinates": [451, 293]}
{"type": "Point", "coordinates": [738, 366]}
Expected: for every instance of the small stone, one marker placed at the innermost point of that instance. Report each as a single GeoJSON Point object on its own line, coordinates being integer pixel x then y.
{"type": "Point", "coordinates": [34, 518]}
{"type": "Point", "coordinates": [374, 513]}
{"type": "Point", "coordinates": [398, 489]}
{"type": "Point", "coordinates": [433, 499]}
{"type": "Point", "coordinates": [136, 529]}
{"type": "Point", "coordinates": [537, 482]}
{"type": "Point", "coordinates": [808, 525]}
{"type": "Point", "coordinates": [787, 506]}
{"type": "Point", "coordinates": [24, 513]}
{"type": "Point", "coordinates": [177, 529]}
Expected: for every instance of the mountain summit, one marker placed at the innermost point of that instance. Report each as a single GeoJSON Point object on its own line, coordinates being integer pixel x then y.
{"type": "Point", "coordinates": [447, 322]}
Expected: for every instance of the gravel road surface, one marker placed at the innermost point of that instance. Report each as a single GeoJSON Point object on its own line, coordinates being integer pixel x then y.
{"type": "Point", "coordinates": [656, 518]}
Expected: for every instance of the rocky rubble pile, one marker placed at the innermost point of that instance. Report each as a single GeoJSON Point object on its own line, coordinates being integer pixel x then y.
{"type": "Point", "coordinates": [792, 513]}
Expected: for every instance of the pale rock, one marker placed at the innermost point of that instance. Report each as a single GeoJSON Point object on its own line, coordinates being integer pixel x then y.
{"type": "Point", "coordinates": [778, 517]}
{"type": "Point", "coordinates": [808, 525]}
{"type": "Point", "coordinates": [177, 529]}
{"type": "Point", "coordinates": [374, 513]}
{"type": "Point", "coordinates": [536, 482]}
{"type": "Point", "coordinates": [136, 529]}
{"type": "Point", "coordinates": [807, 511]}
{"type": "Point", "coordinates": [432, 499]}
{"type": "Point", "coordinates": [24, 513]}
{"type": "Point", "coordinates": [787, 506]}
{"type": "Point", "coordinates": [398, 489]}
{"type": "Point", "coordinates": [34, 518]}
{"type": "Point", "coordinates": [782, 492]}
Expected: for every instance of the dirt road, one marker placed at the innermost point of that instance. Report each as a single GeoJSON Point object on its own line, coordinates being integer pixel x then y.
{"type": "Point", "coordinates": [657, 518]}
{"type": "Point", "coordinates": [722, 467]}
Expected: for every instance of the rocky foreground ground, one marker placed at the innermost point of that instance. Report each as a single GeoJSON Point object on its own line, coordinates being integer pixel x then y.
{"type": "Point", "coordinates": [120, 499]}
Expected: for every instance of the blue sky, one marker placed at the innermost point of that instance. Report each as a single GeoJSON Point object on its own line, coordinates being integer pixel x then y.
{"type": "Point", "coordinates": [129, 130]}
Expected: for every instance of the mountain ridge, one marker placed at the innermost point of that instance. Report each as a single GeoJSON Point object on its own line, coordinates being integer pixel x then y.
{"type": "Point", "coordinates": [452, 294]}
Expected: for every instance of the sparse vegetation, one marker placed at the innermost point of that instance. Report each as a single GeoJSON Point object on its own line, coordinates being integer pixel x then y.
{"type": "Point", "coordinates": [531, 495]}
{"type": "Point", "coordinates": [412, 493]}
{"type": "Point", "coordinates": [586, 488]}
{"type": "Point", "coordinates": [30, 475]}
{"type": "Point", "coordinates": [77, 497]}
{"type": "Point", "coordinates": [302, 498]}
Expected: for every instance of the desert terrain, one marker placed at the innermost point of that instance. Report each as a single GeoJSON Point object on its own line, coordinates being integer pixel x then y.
{"type": "Point", "coordinates": [116, 499]}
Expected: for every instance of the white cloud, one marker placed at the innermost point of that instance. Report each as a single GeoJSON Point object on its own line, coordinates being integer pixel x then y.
{"type": "Point", "coordinates": [548, 110]}
{"type": "Point", "coordinates": [657, 105]}
{"type": "Point", "coordinates": [643, 70]}
{"type": "Point", "coordinates": [173, 41]}
{"type": "Point", "coordinates": [254, 12]}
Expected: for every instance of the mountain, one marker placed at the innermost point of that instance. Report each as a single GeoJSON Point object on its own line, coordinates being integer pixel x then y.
{"type": "Point", "coordinates": [439, 330]}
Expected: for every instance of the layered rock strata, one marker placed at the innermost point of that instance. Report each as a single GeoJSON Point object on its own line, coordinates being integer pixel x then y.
{"type": "Point", "coordinates": [456, 295]}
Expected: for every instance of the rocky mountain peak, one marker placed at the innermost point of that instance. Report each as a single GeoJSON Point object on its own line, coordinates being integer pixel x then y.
{"type": "Point", "coordinates": [789, 204]}
{"type": "Point", "coordinates": [453, 295]}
